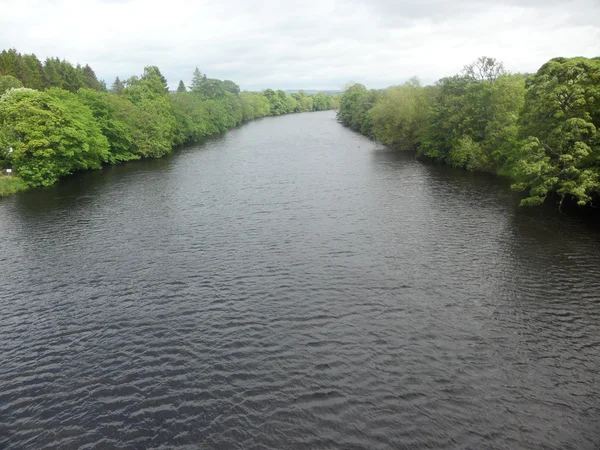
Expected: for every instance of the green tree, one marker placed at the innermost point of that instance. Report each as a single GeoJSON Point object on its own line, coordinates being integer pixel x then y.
{"type": "Point", "coordinates": [560, 149]}
{"type": "Point", "coordinates": [90, 80]}
{"type": "Point", "coordinates": [154, 79]}
{"type": "Point", "coordinates": [181, 87]}
{"type": "Point", "coordinates": [230, 86]}
{"type": "Point", "coordinates": [355, 105]}
{"type": "Point", "coordinates": [51, 137]}
{"type": "Point", "coordinates": [116, 131]}
{"type": "Point", "coordinates": [9, 82]}
{"type": "Point", "coordinates": [197, 80]}
{"type": "Point", "coordinates": [400, 115]}
{"type": "Point", "coordinates": [117, 86]}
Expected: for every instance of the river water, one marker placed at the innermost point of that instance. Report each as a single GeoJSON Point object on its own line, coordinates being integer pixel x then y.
{"type": "Point", "coordinates": [291, 284]}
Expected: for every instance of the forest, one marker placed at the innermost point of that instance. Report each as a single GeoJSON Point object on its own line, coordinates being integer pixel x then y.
{"type": "Point", "coordinates": [57, 118]}
{"type": "Point", "coordinates": [541, 130]}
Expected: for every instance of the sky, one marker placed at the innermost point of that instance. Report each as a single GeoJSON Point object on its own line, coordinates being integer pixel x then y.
{"type": "Point", "coordinates": [310, 44]}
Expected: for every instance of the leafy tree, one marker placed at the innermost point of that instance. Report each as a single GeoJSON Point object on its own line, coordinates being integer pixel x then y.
{"type": "Point", "coordinates": [230, 86]}
{"type": "Point", "coordinates": [400, 115]}
{"type": "Point", "coordinates": [181, 87]}
{"type": "Point", "coordinates": [212, 88]}
{"type": "Point", "coordinates": [320, 102]}
{"type": "Point", "coordinates": [9, 82]}
{"type": "Point", "coordinates": [115, 130]}
{"type": "Point", "coordinates": [354, 108]}
{"type": "Point", "coordinates": [155, 79]}
{"type": "Point", "coordinates": [560, 149]}
{"type": "Point", "coordinates": [277, 106]}
{"type": "Point", "coordinates": [254, 105]}
{"type": "Point", "coordinates": [51, 137]}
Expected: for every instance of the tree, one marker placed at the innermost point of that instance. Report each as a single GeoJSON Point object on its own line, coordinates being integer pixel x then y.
{"type": "Point", "coordinates": [484, 69]}
{"type": "Point", "coordinates": [9, 82]}
{"type": "Point", "coordinates": [52, 76]}
{"type": "Point", "coordinates": [230, 86]}
{"type": "Point", "coordinates": [560, 148]}
{"type": "Point", "coordinates": [51, 137]}
{"type": "Point", "coordinates": [181, 87]}
{"type": "Point", "coordinates": [197, 80]}
{"type": "Point", "coordinates": [320, 102]}
{"type": "Point", "coordinates": [155, 78]}
{"type": "Point", "coordinates": [90, 80]}
{"type": "Point", "coordinates": [276, 101]}
{"type": "Point", "coordinates": [117, 86]}
{"type": "Point", "coordinates": [400, 115]}
{"type": "Point", "coordinates": [212, 88]}
{"type": "Point", "coordinates": [354, 107]}
{"type": "Point", "coordinates": [116, 131]}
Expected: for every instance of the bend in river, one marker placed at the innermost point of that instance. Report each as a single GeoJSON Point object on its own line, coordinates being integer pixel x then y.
{"type": "Point", "coordinates": [291, 284]}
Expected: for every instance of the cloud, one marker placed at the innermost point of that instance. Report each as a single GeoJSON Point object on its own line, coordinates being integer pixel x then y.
{"type": "Point", "coordinates": [292, 44]}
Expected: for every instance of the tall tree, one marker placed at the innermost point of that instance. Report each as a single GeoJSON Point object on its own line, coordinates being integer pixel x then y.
{"type": "Point", "coordinates": [560, 151]}
{"type": "Point", "coordinates": [181, 87]}
{"type": "Point", "coordinates": [230, 86]}
{"type": "Point", "coordinates": [484, 68]}
{"type": "Point", "coordinates": [90, 80]}
{"type": "Point", "coordinates": [117, 86]}
{"type": "Point", "coordinates": [197, 80]}
{"type": "Point", "coordinates": [152, 74]}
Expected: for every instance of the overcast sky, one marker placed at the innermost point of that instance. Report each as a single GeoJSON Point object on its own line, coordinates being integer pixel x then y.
{"type": "Point", "coordinates": [312, 44]}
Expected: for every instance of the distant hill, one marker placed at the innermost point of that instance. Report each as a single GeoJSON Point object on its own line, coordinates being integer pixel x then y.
{"type": "Point", "coordinates": [313, 91]}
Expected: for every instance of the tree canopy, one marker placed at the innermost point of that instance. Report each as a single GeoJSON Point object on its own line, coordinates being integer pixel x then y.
{"type": "Point", "coordinates": [59, 118]}
{"type": "Point", "coordinates": [540, 130]}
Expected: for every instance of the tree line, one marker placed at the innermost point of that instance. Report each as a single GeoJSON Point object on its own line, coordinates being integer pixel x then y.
{"type": "Point", "coordinates": [56, 118]}
{"type": "Point", "coordinates": [541, 130]}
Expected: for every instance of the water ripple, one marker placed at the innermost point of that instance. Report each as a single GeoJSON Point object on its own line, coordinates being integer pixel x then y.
{"type": "Point", "coordinates": [293, 285]}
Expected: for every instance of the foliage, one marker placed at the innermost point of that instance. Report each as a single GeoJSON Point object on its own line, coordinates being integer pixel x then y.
{"type": "Point", "coordinates": [542, 131]}
{"type": "Point", "coordinates": [400, 115]}
{"type": "Point", "coordinates": [70, 122]}
{"type": "Point", "coordinates": [51, 136]}
{"type": "Point", "coordinates": [117, 86]}
{"type": "Point", "coordinates": [355, 105]}
{"type": "Point", "coordinates": [9, 82]}
{"type": "Point", "coordinates": [560, 151]}
{"type": "Point", "coordinates": [11, 185]}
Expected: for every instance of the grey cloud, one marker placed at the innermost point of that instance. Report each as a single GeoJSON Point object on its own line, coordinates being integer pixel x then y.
{"type": "Point", "coordinates": [310, 44]}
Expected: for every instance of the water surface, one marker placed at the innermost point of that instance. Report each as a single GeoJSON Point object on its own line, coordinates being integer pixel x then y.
{"type": "Point", "coordinates": [291, 284]}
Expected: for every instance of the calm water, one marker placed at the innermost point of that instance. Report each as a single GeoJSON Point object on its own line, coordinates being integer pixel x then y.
{"type": "Point", "coordinates": [293, 285]}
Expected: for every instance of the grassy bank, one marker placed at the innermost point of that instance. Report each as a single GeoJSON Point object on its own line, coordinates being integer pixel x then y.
{"type": "Point", "coordinates": [11, 185]}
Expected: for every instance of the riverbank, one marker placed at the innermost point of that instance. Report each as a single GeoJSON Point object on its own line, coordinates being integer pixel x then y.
{"type": "Point", "coordinates": [540, 130]}
{"type": "Point", "coordinates": [53, 129]}
{"type": "Point", "coordinates": [11, 185]}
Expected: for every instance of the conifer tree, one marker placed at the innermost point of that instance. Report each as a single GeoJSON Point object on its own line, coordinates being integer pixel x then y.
{"type": "Point", "coordinates": [197, 80]}
{"type": "Point", "coordinates": [117, 86]}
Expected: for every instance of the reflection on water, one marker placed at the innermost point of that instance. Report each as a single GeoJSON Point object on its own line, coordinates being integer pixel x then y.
{"type": "Point", "coordinates": [291, 284]}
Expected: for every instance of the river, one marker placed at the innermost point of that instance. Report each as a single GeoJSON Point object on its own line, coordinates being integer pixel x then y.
{"type": "Point", "coordinates": [291, 284]}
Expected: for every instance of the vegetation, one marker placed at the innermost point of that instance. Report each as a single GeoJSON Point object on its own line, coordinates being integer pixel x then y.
{"type": "Point", "coordinates": [541, 130]}
{"type": "Point", "coordinates": [56, 118]}
{"type": "Point", "coordinates": [11, 185]}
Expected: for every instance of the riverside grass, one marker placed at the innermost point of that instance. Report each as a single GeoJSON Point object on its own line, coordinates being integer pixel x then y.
{"type": "Point", "coordinates": [11, 185]}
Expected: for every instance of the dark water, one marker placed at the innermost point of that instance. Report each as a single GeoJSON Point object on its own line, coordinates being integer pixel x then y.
{"type": "Point", "coordinates": [292, 285]}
